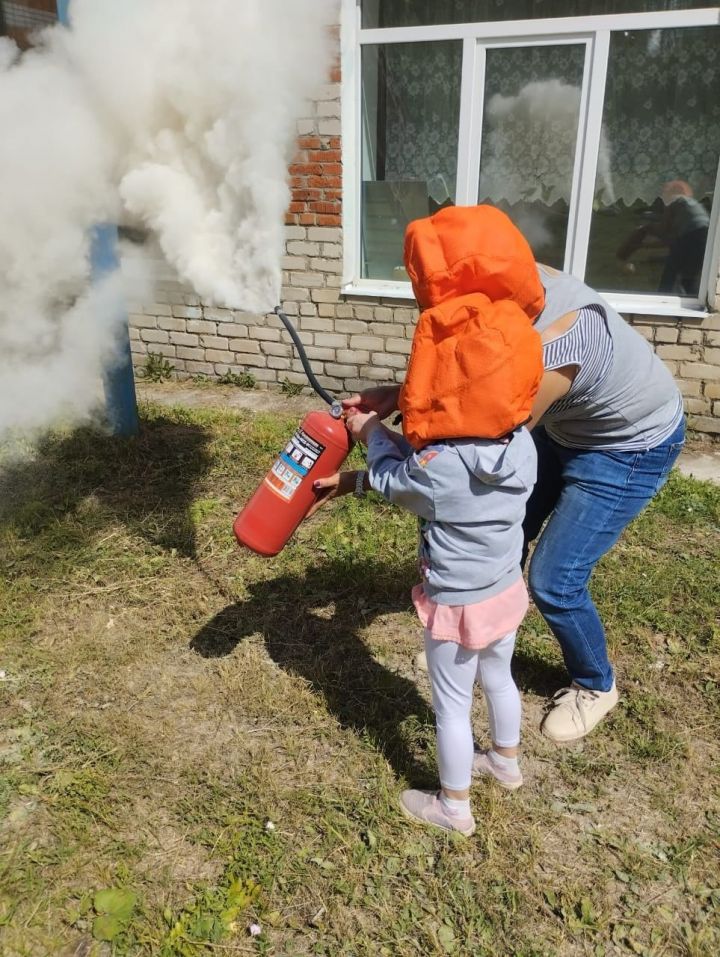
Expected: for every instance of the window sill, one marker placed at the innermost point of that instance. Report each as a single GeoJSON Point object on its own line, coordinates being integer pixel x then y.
{"type": "Point", "coordinates": [671, 307]}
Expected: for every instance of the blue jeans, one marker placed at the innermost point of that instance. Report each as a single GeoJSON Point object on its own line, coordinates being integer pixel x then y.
{"type": "Point", "coordinates": [590, 496]}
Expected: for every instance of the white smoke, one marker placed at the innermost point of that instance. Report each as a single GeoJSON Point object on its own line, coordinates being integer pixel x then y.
{"type": "Point", "coordinates": [172, 114]}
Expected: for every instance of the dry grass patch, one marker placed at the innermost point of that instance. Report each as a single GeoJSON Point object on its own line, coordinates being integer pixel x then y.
{"type": "Point", "coordinates": [166, 696]}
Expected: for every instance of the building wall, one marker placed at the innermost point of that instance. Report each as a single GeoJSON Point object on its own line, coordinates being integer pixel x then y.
{"type": "Point", "coordinates": [355, 342]}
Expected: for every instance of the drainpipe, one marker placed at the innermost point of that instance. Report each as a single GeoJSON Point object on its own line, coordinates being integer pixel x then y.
{"type": "Point", "coordinates": [119, 381]}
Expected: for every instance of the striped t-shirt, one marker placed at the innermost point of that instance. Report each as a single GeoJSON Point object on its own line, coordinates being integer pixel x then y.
{"type": "Point", "coordinates": [588, 345]}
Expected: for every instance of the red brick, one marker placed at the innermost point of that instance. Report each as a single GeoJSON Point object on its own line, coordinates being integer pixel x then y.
{"type": "Point", "coordinates": [308, 219]}
{"type": "Point", "coordinates": [327, 221]}
{"type": "Point", "coordinates": [309, 142]}
{"type": "Point", "coordinates": [306, 169]}
{"type": "Point", "coordinates": [336, 73]}
{"type": "Point", "coordinates": [334, 142]}
{"type": "Point", "coordinates": [329, 208]}
{"type": "Point", "coordinates": [291, 219]}
{"type": "Point", "coordinates": [324, 156]}
{"type": "Point", "coordinates": [298, 182]}
{"type": "Point", "coordinates": [296, 207]}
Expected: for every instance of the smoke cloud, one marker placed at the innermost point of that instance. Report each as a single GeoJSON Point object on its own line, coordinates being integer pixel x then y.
{"type": "Point", "coordinates": [171, 114]}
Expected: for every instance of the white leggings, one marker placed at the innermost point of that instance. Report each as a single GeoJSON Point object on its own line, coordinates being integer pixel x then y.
{"type": "Point", "coordinates": [453, 672]}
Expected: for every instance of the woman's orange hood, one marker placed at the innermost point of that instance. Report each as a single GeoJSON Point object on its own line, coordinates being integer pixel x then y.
{"type": "Point", "coordinates": [468, 249]}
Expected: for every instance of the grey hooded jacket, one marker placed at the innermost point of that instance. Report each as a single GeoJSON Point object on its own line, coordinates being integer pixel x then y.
{"type": "Point", "coordinates": [470, 495]}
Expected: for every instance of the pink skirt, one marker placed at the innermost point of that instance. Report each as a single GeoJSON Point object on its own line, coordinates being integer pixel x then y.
{"type": "Point", "coordinates": [477, 625]}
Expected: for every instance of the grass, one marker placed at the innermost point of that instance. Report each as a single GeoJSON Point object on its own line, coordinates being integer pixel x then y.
{"type": "Point", "coordinates": [166, 696]}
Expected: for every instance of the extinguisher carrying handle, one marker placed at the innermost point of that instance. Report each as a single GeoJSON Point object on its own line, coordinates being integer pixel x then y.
{"type": "Point", "coordinates": [335, 406]}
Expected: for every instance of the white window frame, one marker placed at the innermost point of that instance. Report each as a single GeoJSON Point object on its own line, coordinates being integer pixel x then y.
{"type": "Point", "coordinates": [594, 31]}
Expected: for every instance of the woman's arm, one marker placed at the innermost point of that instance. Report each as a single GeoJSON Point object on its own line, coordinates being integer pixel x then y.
{"type": "Point", "coordinates": [555, 383]}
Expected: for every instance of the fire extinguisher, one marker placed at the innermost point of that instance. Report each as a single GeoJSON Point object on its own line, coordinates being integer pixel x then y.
{"type": "Point", "coordinates": [282, 500]}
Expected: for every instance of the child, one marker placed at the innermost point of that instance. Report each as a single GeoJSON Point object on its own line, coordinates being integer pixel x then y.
{"type": "Point", "coordinates": [466, 467]}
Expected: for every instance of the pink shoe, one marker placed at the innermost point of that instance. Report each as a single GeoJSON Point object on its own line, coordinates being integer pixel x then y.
{"type": "Point", "coordinates": [425, 807]}
{"type": "Point", "coordinates": [484, 764]}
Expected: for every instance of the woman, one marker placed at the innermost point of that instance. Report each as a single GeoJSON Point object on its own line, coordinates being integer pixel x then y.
{"type": "Point", "coordinates": [608, 425]}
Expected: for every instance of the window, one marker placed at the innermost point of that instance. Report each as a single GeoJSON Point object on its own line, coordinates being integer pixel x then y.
{"type": "Point", "coordinates": [598, 134]}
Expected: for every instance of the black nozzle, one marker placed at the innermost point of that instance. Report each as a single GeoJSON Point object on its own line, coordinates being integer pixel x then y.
{"type": "Point", "coordinates": [323, 393]}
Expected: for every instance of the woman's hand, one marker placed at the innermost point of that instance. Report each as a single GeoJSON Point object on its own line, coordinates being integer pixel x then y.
{"type": "Point", "coordinates": [382, 399]}
{"type": "Point", "coordinates": [334, 486]}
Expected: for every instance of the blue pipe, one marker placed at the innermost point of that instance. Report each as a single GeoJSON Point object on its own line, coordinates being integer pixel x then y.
{"type": "Point", "coordinates": [118, 381]}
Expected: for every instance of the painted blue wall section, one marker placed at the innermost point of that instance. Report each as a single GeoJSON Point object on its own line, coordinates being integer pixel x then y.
{"type": "Point", "coordinates": [119, 381]}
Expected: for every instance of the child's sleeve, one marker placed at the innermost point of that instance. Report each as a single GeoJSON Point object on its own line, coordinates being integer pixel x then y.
{"type": "Point", "coordinates": [398, 477]}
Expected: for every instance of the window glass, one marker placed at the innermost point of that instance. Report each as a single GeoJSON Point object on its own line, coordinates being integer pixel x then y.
{"type": "Point", "coordinates": [412, 13]}
{"type": "Point", "coordinates": [19, 19]}
{"type": "Point", "coordinates": [658, 162]}
{"type": "Point", "coordinates": [530, 127]}
{"type": "Point", "coordinates": [410, 120]}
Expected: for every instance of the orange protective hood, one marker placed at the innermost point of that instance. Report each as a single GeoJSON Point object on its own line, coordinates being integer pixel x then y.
{"type": "Point", "coordinates": [476, 360]}
{"type": "Point", "coordinates": [467, 249]}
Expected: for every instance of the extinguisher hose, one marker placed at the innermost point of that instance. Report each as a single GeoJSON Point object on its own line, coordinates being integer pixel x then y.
{"type": "Point", "coordinates": [323, 393]}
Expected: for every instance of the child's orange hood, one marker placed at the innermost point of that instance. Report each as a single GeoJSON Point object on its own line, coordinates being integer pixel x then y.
{"type": "Point", "coordinates": [468, 249]}
{"type": "Point", "coordinates": [476, 360]}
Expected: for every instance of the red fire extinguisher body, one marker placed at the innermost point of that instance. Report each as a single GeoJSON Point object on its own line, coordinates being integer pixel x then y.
{"type": "Point", "coordinates": [283, 498]}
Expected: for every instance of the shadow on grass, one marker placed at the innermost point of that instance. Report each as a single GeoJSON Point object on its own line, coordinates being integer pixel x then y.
{"type": "Point", "coordinates": [311, 625]}
{"type": "Point", "coordinates": [146, 483]}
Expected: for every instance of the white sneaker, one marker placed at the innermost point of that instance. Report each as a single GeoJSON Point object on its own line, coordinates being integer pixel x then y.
{"type": "Point", "coordinates": [420, 661]}
{"type": "Point", "coordinates": [574, 712]}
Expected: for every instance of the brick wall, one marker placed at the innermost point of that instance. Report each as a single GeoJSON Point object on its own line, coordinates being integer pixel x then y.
{"type": "Point", "coordinates": [354, 342]}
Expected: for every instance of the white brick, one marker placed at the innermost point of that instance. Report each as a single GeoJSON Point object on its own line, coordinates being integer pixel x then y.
{"type": "Point", "coordinates": [667, 334]}
{"type": "Point", "coordinates": [383, 314]}
{"type": "Point", "coordinates": [276, 349]}
{"type": "Point", "coordinates": [277, 362]}
{"type": "Point", "coordinates": [219, 355]}
{"type": "Point", "coordinates": [326, 265]}
{"type": "Point", "coordinates": [140, 321]}
{"type": "Point", "coordinates": [327, 310]}
{"type": "Point", "coordinates": [244, 345]}
{"type": "Point", "coordinates": [328, 108]}
{"type": "Point", "coordinates": [158, 309]}
{"type": "Point", "coordinates": [300, 247]}
{"type": "Point", "coordinates": [309, 280]}
{"type": "Point", "coordinates": [308, 309]}
{"type": "Point", "coordinates": [324, 234]}
{"type": "Point", "coordinates": [367, 342]}
{"type": "Point", "coordinates": [332, 251]}
{"type": "Point", "coordinates": [695, 370]}
{"type": "Point", "coordinates": [233, 330]}
{"type": "Point", "coordinates": [398, 345]}
{"type": "Point", "coordinates": [219, 315]}
{"type": "Point", "coordinates": [374, 373]}
{"type": "Point", "coordinates": [325, 295]}
{"type": "Point", "coordinates": [183, 339]}
{"type": "Point", "coordinates": [320, 353]}
{"type": "Point", "coordinates": [341, 371]}
{"type": "Point", "coordinates": [333, 341]}
{"type": "Point", "coordinates": [196, 354]}
{"type": "Point", "coordinates": [291, 294]}
{"type": "Point", "coordinates": [365, 313]}
{"type": "Point", "coordinates": [171, 324]}
{"type": "Point", "coordinates": [329, 126]}
{"type": "Point", "coordinates": [305, 127]}
{"type": "Point", "coordinates": [387, 329]}
{"type": "Point", "coordinates": [317, 325]}
{"type": "Point", "coordinates": [388, 360]}
{"type": "Point", "coordinates": [187, 312]}
{"type": "Point", "coordinates": [293, 262]}
{"type": "Point", "coordinates": [154, 335]}
{"type": "Point", "coordinates": [264, 375]}
{"type": "Point", "coordinates": [350, 325]}
{"type": "Point", "coordinates": [295, 232]}
{"type": "Point", "coordinates": [352, 355]}
{"type": "Point", "coordinates": [199, 368]}
{"type": "Point", "coordinates": [202, 327]}
{"type": "Point", "coordinates": [214, 342]}
{"type": "Point", "coordinates": [264, 334]}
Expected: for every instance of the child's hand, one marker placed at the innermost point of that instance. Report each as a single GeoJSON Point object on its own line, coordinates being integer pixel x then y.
{"type": "Point", "coordinates": [361, 424]}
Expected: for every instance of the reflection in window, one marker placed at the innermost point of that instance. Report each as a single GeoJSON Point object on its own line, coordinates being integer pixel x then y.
{"type": "Point", "coordinates": [662, 122]}
{"type": "Point", "coordinates": [410, 119]}
{"type": "Point", "coordinates": [529, 138]}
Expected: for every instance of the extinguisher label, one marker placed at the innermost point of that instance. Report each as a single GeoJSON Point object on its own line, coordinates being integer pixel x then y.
{"type": "Point", "coordinates": [293, 464]}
